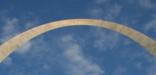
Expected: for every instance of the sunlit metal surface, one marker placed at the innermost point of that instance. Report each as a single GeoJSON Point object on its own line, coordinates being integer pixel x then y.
{"type": "Point", "coordinates": [11, 45]}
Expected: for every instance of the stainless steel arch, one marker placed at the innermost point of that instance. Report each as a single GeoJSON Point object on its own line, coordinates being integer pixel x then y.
{"type": "Point", "coordinates": [9, 46]}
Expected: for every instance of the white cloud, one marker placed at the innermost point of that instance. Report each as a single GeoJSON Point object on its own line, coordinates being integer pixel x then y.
{"type": "Point", "coordinates": [67, 38]}
{"type": "Point", "coordinates": [105, 40]}
{"type": "Point", "coordinates": [79, 64]}
{"type": "Point", "coordinates": [113, 12]}
{"type": "Point", "coordinates": [150, 60]}
{"type": "Point", "coordinates": [120, 71]}
{"type": "Point", "coordinates": [31, 24]}
{"type": "Point", "coordinates": [25, 48]}
{"type": "Point", "coordinates": [101, 1]}
{"type": "Point", "coordinates": [147, 4]}
{"type": "Point", "coordinates": [152, 70]}
{"type": "Point", "coordinates": [96, 12]}
{"type": "Point", "coordinates": [11, 28]}
{"type": "Point", "coordinates": [46, 67]}
{"type": "Point", "coordinates": [7, 61]}
{"type": "Point", "coordinates": [108, 12]}
{"type": "Point", "coordinates": [10, 25]}
{"type": "Point", "coordinates": [151, 25]}
{"type": "Point", "coordinates": [8, 28]}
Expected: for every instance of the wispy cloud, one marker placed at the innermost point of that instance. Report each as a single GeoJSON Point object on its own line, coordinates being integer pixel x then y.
{"type": "Point", "coordinates": [25, 48]}
{"type": "Point", "coordinates": [8, 61]}
{"type": "Point", "coordinates": [105, 40]}
{"type": "Point", "coordinates": [151, 25]}
{"type": "Point", "coordinates": [114, 12]}
{"type": "Point", "coordinates": [152, 70]}
{"type": "Point", "coordinates": [79, 64]}
{"type": "Point", "coordinates": [119, 71]}
{"type": "Point", "coordinates": [9, 28]}
{"type": "Point", "coordinates": [108, 12]}
{"type": "Point", "coordinates": [12, 26]}
{"type": "Point", "coordinates": [100, 1]}
{"type": "Point", "coordinates": [147, 4]}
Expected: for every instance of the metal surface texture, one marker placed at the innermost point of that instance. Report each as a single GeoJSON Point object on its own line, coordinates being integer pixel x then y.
{"type": "Point", "coordinates": [11, 45]}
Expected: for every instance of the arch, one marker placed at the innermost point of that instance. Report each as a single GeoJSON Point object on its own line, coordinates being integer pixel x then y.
{"type": "Point", "coordinates": [9, 46]}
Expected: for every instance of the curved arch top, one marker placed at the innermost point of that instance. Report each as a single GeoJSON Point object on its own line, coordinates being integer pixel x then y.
{"type": "Point", "coordinates": [9, 46]}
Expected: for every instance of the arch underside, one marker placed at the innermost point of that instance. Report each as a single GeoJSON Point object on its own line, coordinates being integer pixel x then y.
{"type": "Point", "coordinates": [11, 45]}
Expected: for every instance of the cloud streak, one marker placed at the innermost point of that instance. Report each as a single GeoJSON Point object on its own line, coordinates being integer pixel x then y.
{"type": "Point", "coordinates": [149, 4]}
{"type": "Point", "coordinates": [151, 25]}
{"type": "Point", "coordinates": [105, 40]}
{"type": "Point", "coordinates": [108, 11]}
{"type": "Point", "coordinates": [79, 64]}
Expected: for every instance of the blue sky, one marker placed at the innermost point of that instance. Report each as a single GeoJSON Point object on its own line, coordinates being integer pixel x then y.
{"type": "Point", "coordinates": [78, 50]}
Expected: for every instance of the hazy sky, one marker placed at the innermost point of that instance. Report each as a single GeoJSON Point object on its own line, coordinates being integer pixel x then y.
{"type": "Point", "coordinates": [81, 50]}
